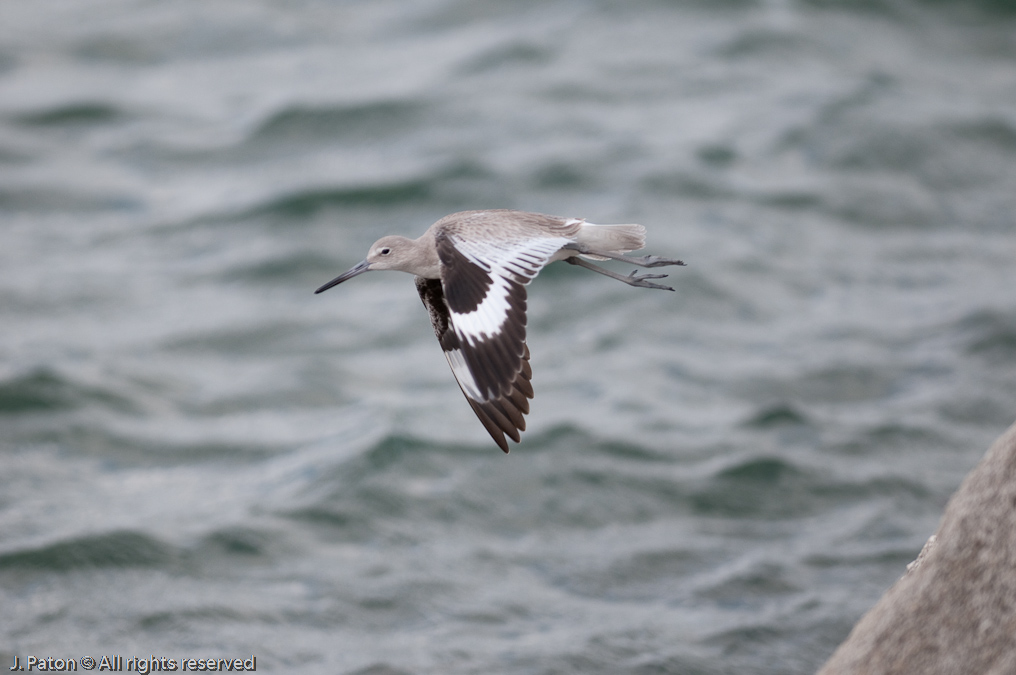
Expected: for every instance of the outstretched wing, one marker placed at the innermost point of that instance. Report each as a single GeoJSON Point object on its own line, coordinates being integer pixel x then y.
{"type": "Point", "coordinates": [478, 309]}
{"type": "Point", "coordinates": [499, 415]}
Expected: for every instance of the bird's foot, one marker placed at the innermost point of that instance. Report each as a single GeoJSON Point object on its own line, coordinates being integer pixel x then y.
{"type": "Point", "coordinates": [656, 261]}
{"type": "Point", "coordinates": [640, 280]}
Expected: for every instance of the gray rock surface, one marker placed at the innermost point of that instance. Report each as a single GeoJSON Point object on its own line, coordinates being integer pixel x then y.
{"type": "Point", "coordinates": [954, 610]}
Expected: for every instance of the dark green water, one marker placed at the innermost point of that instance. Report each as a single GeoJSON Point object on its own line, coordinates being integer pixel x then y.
{"type": "Point", "coordinates": [201, 459]}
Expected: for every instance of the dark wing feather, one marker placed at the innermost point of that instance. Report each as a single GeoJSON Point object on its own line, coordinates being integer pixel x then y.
{"type": "Point", "coordinates": [502, 400]}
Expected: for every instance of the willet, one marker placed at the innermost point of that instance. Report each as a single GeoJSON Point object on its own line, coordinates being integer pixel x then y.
{"type": "Point", "coordinates": [471, 273]}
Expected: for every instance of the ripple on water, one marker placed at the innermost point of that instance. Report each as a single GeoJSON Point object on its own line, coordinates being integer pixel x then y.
{"type": "Point", "coordinates": [72, 115]}
{"type": "Point", "coordinates": [356, 123]}
{"type": "Point", "coordinates": [46, 390]}
{"type": "Point", "coordinates": [124, 548]}
{"type": "Point", "coordinates": [991, 335]}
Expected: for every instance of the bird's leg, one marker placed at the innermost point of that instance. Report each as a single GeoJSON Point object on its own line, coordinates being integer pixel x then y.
{"type": "Point", "coordinates": [631, 279]}
{"type": "Point", "coordinates": [641, 261]}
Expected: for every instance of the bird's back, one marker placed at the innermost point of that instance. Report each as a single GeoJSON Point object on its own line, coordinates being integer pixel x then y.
{"type": "Point", "coordinates": [505, 226]}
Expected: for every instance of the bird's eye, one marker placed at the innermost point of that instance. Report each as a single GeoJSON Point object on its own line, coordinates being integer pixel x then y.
{"type": "Point", "coordinates": [384, 251]}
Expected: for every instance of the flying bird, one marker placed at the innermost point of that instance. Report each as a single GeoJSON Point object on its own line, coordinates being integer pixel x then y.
{"type": "Point", "coordinates": [471, 271]}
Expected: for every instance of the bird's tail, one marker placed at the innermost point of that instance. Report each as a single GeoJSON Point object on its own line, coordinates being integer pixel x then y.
{"type": "Point", "coordinates": [611, 238]}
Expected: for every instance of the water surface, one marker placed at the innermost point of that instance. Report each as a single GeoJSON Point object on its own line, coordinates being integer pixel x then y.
{"type": "Point", "coordinates": [203, 459]}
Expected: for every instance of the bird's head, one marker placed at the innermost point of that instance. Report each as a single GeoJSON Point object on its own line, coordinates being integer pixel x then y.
{"type": "Point", "coordinates": [387, 253]}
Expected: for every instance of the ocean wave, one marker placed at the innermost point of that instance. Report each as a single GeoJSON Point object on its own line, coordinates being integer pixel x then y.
{"type": "Point", "coordinates": [123, 548]}
{"type": "Point", "coordinates": [990, 335]}
{"type": "Point", "coordinates": [365, 122]}
{"type": "Point", "coordinates": [71, 114]}
{"type": "Point", "coordinates": [64, 199]}
{"type": "Point", "coordinates": [780, 415]}
{"type": "Point", "coordinates": [45, 390]}
{"type": "Point", "coordinates": [308, 202]}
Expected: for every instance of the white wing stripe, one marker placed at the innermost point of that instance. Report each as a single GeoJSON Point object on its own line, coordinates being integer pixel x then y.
{"type": "Point", "coordinates": [515, 262]}
{"type": "Point", "coordinates": [488, 317]}
{"type": "Point", "coordinates": [461, 372]}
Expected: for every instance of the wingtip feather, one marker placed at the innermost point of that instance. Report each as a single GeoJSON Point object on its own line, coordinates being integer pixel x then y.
{"type": "Point", "coordinates": [488, 424]}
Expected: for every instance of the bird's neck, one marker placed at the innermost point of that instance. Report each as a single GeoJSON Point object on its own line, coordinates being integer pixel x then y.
{"type": "Point", "coordinates": [428, 265]}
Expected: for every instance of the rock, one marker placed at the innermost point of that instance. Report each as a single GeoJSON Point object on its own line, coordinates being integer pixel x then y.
{"type": "Point", "coordinates": [954, 610]}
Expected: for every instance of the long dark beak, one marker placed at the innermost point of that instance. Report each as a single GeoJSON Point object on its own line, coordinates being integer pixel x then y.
{"type": "Point", "coordinates": [357, 269]}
